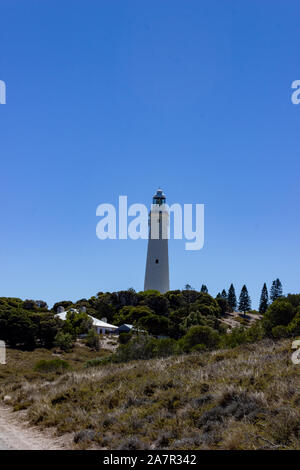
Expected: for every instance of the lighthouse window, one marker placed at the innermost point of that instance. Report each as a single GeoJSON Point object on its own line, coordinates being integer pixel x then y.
{"type": "Point", "coordinates": [156, 261]}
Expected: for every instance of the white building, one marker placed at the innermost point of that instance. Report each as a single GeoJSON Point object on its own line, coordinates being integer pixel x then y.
{"type": "Point", "coordinates": [100, 326]}
{"type": "Point", "coordinates": [157, 266]}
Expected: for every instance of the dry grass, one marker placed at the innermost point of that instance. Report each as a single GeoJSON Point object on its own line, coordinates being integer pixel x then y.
{"type": "Point", "coordinates": [244, 398]}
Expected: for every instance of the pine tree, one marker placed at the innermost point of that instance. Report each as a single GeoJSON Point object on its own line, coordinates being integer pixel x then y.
{"type": "Point", "coordinates": [224, 294]}
{"type": "Point", "coordinates": [276, 290]}
{"type": "Point", "coordinates": [231, 298]}
{"type": "Point", "coordinates": [244, 300]}
{"type": "Point", "coordinates": [273, 292]}
{"type": "Point", "coordinates": [264, 300]}
{"type": "Point", "coordinates": [204, 289]}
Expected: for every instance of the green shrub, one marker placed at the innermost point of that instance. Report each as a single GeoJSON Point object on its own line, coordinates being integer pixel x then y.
{"type": "Point", "coordinates": [255, 332]}
{"type": "Point", "coordinates": [280, 331]}
{"type": "Point", "coordinates": [237, 336]}
{"type": "Point", "coordinates": [145, 347]}
{"type": "Point", "coordinates": [294, 326]}
{"type": "Point", "coordinates": [52, 365]}
{"type": "Point", "coordinates": [77, 323]}
{"type": "Point", "coordinates": [134, 349]}
{"type": "Point", "coordinates": [198, 348]}
{"type": "Point", "coordinates": [281, 312]}
{"type": "Point", "coordinates": [162, 347]}
{"type": "Point", "coordinates": [196, 335]}
{"type": "Point", "coordinates": [124, 338]}
{"type": "Point", "coordinates": [99, 361]}
{"type": "Point", "coordinates": [198, 319]}
{"type": "Point", "coordinates": [64, 341]}
{"type": "Point", "coordinates": [92, 340]}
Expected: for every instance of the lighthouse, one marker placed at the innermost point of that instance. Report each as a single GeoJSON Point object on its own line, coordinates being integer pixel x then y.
{"type": "Point", "coordinates": [157, 265]}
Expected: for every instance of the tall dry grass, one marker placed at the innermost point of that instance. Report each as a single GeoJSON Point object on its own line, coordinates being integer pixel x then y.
{"type": "Point", "coordinates": [244, 398]}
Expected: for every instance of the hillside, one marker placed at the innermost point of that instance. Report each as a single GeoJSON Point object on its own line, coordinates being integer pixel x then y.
{"type": "Point", "coordinates": [242, 398]}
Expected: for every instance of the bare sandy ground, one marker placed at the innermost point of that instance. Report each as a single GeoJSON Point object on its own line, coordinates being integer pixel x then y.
{"type": "Point", "coordinates": [15, 434]}
{"type": "Point", "coordinates": [109, 342]}
{"type": "Point", "coordinates": [230, 319]}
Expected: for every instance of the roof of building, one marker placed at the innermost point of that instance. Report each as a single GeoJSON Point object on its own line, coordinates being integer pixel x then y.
{"type": "Point", "coordinates": [96, 322]}
{"type": "Point", "coordinates": [127, 326]}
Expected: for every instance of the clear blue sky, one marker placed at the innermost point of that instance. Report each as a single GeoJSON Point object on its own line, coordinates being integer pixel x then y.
{"type": "Point", "coordinates": [106, 98]}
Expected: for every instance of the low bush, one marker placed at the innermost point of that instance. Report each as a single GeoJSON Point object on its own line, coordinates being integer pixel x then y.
{"type": "Point", "coordinates": [237, 336]}
{"type": "Point", "coordinates": [52, 365]}
{"type": "Point", "coordinates": [85, 435]}
{"type": "Point", "coordinates": [205, 336]}
{"type": "Point", "coordinates": [124, 338]}
{"type": "Point", "coordinates": [280, 331]}
{"type": "Point", "coordinates": [294, 325]}
{"type": "Point", "coordinates": [92, 340]}
{"type": "Point", "coordinates": [145, 347]}
{"type": "Point", "coordinates": [99, 361]}
{"type": "Point", "coordinates": [132, 443]}
{"type": "Point", "coordinates": [64, 341]}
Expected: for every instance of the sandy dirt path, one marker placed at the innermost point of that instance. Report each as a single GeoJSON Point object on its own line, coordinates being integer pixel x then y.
{"type": "Point", "coordinates": [16, 435]}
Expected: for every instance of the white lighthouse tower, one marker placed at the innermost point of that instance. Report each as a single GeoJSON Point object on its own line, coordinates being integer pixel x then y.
{"type": "Point", "coordinates": [157, 266]}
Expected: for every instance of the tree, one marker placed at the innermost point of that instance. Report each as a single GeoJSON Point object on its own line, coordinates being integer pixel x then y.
{"type": "Point", "coordinates": [49, 326]}
{"type": "Point", "coordinates": [204, 289]}
{"type": "Point", "coordinates": [200, 335]}
{"type": "Point", "coordinates": [154, 324]}
{"type": "Point", "coordinates": [223, 304]}
{"type": "Point", "coordinates": [244, 300]}
{"type": "Point", "coordinates": [280, 331]}
{"type": "Point", "coordinates": [92, 340]}
{"type": "Point", "coordinates": [197, 319]}
{"type": "Point", "coordinates": [273, 292]}
{"type": "Point", "coordinates": [64, 303]}
{"type": "Point", "coordinates": [280, 312]}
{"type": "Point", "coordinates": [64, 341]}
{"type": "Point", "coordinates": [33, 305]}
{"type": "Point", "coordinates": [264, 300]}
{"type": "Point", "coordinates": [124, 338]}
{"type": "Point", "coordinates": [206, 305]}
{"type": "Point", "coordinates": [189, 297]}
{"type": "Point", "coordinates": [294, 325]}
{"type": "Point", "coordinates": [231, 298]}
{"type": "Point", "coordinates": [157, 302]}
{"type": "Point", "coordinates": [19, 329]}
{"type": "Point", "coordinates": [276, 290]}
{"type": "Point", "coordinates": [130, 314]}
{"type": "Point", "coordinates": [224, 294]}
{"type": "Point", "coordinates": [77, 323]}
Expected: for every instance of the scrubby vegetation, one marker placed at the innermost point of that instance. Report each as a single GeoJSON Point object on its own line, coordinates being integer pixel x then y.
{"type": "Point", "coordinates": [198, 386]}
{"type": "Point", "coordinates": [246, 397]}
{"type": "Point", "coordinates": [29, 324]}
{"type": "Point", "coordinates": [51, 365]}
{"type": "Point", "coordinates": [92, 340]}
{"type": "Point", "coordinates": [172, 323]}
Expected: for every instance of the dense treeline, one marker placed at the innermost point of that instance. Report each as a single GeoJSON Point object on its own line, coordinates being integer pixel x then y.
{"type": "Point", "coordinates": [181, 320]}
{"type": "Point", "coordinates": [281, 320]}
{"type": "Point", "coordinates": [170, 314]}
{"type": "Point", "coordinates": [26, 323]}
{"type": "Point", "coordinates": [29, 324]}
